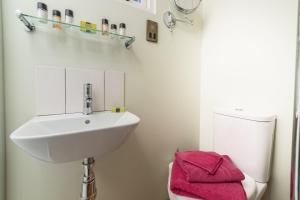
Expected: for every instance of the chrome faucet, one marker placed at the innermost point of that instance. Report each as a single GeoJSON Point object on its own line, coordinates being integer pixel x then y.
{"type": "Point", "coordinates": [87, 99]}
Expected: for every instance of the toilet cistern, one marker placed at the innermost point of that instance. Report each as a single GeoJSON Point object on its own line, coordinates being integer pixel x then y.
{"type": "Point", "coordinates": [87, 99]}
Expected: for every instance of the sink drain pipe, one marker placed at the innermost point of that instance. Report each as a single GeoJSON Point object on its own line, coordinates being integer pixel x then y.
{"type": "Point", "coordinates": [88, 189]}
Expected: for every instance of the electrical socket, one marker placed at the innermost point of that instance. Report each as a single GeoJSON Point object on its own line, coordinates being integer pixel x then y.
{"type": "Point", "coordinates": [152, 31]}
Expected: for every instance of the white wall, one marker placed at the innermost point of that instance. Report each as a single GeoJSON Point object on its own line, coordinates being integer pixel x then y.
{"type": "Point", "coordinates": [248, 60]}
{"type": "Point", "coordinates": [162, 87]}
{"type": "Point", "coordinates": [2, 131]}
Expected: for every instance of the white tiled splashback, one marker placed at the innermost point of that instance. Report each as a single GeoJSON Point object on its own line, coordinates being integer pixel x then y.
{"type": "Point", "coordinates": [114, 89]}
{"type": "Point", "coordinates": [50, 90]}
{"type": "Point", "coordinates": [60, 90]}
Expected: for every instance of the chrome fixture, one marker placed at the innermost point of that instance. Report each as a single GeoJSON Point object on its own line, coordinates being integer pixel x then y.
{"type": "Point", "coordinates": [187, 6]}
{"type": "Point", "coordinates": [183, 6]}
{"type": "Point", "coordinates": [88, 189]}
{"type": "Point", "coordinates": [170, 20]}
{"type": "Point", "coordinates": [29, 26]}
{"type": "Point", "coordinates": [129, 43]}
{"type": "Point", "coordinates": [87, 99]}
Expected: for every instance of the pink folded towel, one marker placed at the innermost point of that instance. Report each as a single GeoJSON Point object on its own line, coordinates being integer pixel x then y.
{"type": "Point", "coordinates": [208, 161]}
{"type": "Point", "coordinates": [227, 171]}
{"type": "Point", "coordinates": [207, 191]}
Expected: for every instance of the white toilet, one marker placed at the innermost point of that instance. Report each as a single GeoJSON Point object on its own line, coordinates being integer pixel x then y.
{"type": "Point", "coordinates": [248, 139]}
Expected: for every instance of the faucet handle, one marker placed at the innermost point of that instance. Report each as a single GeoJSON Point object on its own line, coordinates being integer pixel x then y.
{"type": "Point", "coordinates": [87, 90]}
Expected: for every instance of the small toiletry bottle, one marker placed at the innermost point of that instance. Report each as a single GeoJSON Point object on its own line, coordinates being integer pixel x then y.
{"type": "Point", "coordinates": [42, 12]}
{"type": "Point", "coordinates": [113, 30]}
{"type": "Point", "coordinates": [69, 16]}
{"type": "Point", "coordinates": [122, 29]}
{"type": "Point", "coordinates": [56, 16]}
{"type": "Point", "coordinates": [105, 27]}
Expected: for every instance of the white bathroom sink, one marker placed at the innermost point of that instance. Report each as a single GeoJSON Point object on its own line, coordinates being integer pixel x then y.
{"type": "Point", "coordinates": [69, 137]}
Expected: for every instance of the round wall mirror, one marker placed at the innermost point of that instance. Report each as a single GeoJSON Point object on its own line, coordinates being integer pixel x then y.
{"type": "Point", "coordinates": [187, 6]}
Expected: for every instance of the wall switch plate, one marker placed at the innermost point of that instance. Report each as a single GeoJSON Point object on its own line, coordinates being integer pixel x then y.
{"type": "Point", "coordinates": [152, 31]}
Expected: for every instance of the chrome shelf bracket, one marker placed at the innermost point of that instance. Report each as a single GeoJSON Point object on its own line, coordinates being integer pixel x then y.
{"type": "Point", "coordinates": [129, 43]}
{"type": "Point", "coordinates": [29, 26]}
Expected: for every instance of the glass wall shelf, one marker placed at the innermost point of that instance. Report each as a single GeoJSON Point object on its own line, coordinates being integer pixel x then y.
{"type": "Point", "coordinates": [32, 23]}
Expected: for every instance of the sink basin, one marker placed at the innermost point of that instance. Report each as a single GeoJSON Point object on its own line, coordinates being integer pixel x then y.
{"type": "Point", "coordinates": [70, 137]}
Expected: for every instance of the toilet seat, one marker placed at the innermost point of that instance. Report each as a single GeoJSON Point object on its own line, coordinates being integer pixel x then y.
{"type": "Point", "coordinates": [253, 189]}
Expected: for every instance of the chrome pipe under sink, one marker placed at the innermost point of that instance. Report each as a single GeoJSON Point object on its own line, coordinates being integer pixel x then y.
{"type": "Point", "coordinates": [88, 189]}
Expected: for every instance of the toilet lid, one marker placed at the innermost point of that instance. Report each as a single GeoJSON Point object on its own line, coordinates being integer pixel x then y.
{"type": "Point", "coordinates": [249, 185]}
